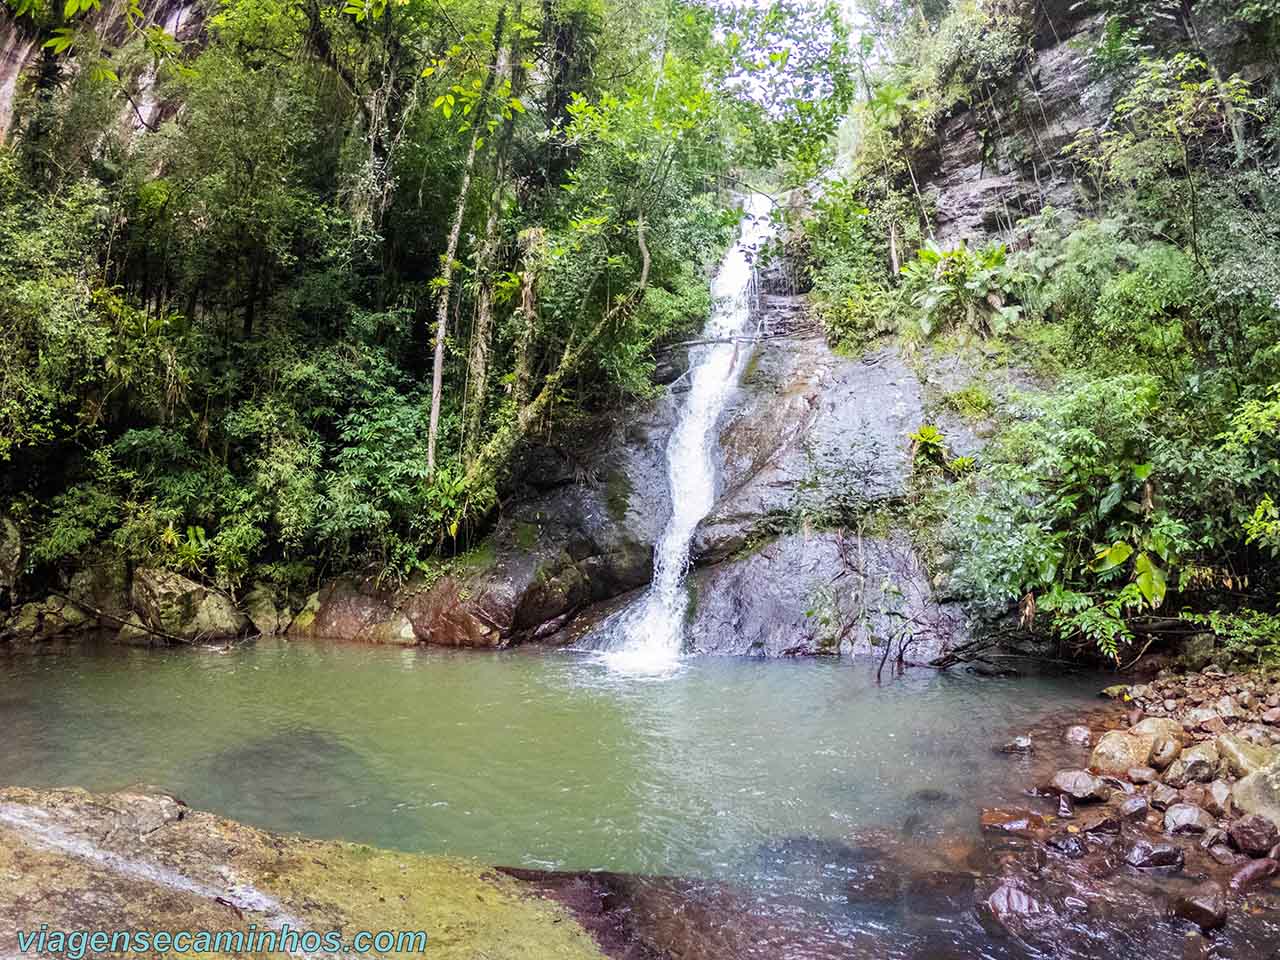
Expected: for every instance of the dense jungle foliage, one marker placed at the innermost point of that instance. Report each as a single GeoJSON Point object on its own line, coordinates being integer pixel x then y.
{"type": "Point", "coordinates": [1133, 493]}
{"type": "Point", "coordinates": [284, 284]}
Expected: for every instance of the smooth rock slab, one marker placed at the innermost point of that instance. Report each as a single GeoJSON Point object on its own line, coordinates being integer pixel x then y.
{"type": "Point", "coordinates": [1243, 758]}
{"type": "Point", "coordinates": [1011, 821]}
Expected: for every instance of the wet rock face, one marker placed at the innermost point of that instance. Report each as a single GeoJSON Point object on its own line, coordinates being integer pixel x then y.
{"type": "Point", "coordinates": [980, 185]}
{"type": "Point", "coordinates": [809, 427]}
{"type": "Point", "coordinates": [20, 49]}
{"type": "Point", "coordinates": [579, 529]}
{"type": "Point", "coordinates": [10, 558]}
{"type": "Point", "coordinates": [778, 601]}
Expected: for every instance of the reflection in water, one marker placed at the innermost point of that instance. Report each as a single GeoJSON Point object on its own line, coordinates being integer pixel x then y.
{"type": "Point", "coordinates": [768, 776]}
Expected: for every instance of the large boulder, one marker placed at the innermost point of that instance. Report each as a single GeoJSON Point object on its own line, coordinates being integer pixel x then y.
{"type": "Point", "coordinates": [182, 608]}
{"type": "Point", "coordinates": [1259, 792]}
{"type": "Point", "coordinates": [265, 612]}
{"type": "Point", "coordinates": [101, 583]}
{"type": "Point", "coordinates": [353, 608]}
{"type": "Point", "coordinates": [1244, 758]}
{"type": "Point", "coordinates": [1117, 751]}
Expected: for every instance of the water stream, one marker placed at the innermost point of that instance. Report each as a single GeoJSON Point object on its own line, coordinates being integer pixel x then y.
{"type": "Point", "coordinates": [649, 636]}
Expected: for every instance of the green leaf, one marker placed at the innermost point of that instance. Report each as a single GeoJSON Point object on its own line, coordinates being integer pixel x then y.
{"type": "Point", "coordinates": [1151, 579]}
{"type": "Point", "coordinates": [1114, 494]}
{"type": "Point", "coordinates": [1108, 558]}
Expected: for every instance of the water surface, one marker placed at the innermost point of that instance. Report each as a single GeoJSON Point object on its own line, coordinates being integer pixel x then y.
{"type": "Point", "coordinates": [548, 761]}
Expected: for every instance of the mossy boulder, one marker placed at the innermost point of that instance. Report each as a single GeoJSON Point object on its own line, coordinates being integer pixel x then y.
{"type": "Point", "coordinates": [131, 861]}
{"type": "Point", "coordinates": [171, 603]}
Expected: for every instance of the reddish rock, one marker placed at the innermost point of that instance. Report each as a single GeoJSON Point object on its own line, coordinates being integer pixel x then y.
{"type": "Point", "coordinates": [1253, 835]}
{"type": "Point", "coordinates": [1253, 874]}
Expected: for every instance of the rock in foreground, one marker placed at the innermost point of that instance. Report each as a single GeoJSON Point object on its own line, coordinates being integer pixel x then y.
{"type": "Point", "coordinates": [124, 861]}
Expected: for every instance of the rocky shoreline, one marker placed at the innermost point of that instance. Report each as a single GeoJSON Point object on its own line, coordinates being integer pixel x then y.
{"type": "Point", "coordinates": [1173, 813]}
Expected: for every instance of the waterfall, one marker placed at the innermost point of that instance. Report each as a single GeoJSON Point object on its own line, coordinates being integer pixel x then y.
{"type": "Point", "coordinates": [649, 637]}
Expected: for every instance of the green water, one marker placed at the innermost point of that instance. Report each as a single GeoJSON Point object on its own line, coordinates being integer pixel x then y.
{"type": "Point", "coordinates": [520, 759]}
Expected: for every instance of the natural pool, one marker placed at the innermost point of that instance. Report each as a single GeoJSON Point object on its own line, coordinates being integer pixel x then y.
{"type": "Point", "coordinates": [746, 771]}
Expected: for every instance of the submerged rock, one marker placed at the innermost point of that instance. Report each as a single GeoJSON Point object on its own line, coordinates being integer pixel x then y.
{"type": "Point", "coordinates": [1017, 911]}
{"type": "Point", "coordinates": [1079, 734]}
{"type": "Point", "coordinates": [1011, 821]}
{"type": "Point", "coordinates": [1206, 906]}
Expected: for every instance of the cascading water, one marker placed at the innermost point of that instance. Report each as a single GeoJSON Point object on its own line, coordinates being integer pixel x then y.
{"type": "Point", "coordinates": [649, 636]}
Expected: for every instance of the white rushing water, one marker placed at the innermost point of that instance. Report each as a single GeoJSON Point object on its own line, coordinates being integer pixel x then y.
{"type": "Point", "coordinates": [649, 636]}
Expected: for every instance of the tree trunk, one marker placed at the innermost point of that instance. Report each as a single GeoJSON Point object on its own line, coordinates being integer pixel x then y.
{"type": "Point", "coordinates": [505, 440]}
{"type": "Point", "coordinates": [482, 333]}
{"type": "Point", "coordinates": [451, 250]}
{"type": "Point", "coordinates": [530, 242]}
